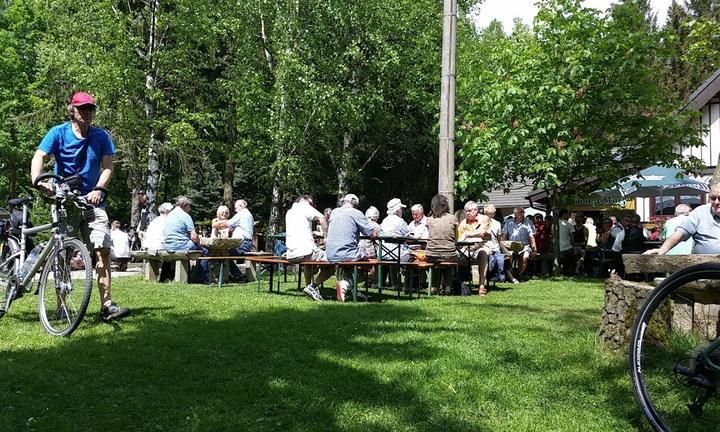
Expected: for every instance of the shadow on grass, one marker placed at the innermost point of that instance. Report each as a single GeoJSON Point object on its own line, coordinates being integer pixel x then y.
{"type": "Point", "coordinates": [274, 370]}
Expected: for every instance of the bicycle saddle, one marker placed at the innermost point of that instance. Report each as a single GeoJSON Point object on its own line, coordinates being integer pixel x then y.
{"type": "Point", "coordinates": [18, 202]}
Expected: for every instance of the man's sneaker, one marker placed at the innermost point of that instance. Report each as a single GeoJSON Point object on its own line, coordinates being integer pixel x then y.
{"type": "Point", "coordinates": [114, 312]}
{"type": "Point", "coordinates": [515, 281]}
{"type": "Point", "coordinates": [313, 293]}
{"type": "Point", "coordinates": [342, 287]}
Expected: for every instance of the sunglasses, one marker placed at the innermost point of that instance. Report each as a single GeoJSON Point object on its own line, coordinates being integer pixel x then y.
{"type": "Point", "coordinates": [714, 198]}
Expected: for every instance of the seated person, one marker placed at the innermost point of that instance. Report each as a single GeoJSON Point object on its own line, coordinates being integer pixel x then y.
{"type": "Point", "coordinates": [346, 225]}
{"type": "Point", "coordinates": [301, 245]}
{"type": "Point", "coordinates": [394, 226]}
{"type": "Point", "coordinates": [155, 235]}
{"type": "Point", "coordinates": [470, 230]}
{"type": "Point", "coordinates": [372, 214]}
{"type": "Point", "coordinates": [442, 230]}
{"type": "Point", "coordinates": [418, 225]}
{"type": "Point", "coordinates": [518, 229]}
{"type": "Point", "coordinates": [120, 250]}
{"type": "Point", "coordinates": [180, 234]}
{"type": "Point", "coordinates": [220, 229]}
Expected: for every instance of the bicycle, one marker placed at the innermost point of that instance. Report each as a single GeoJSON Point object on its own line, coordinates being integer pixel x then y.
{"type": "Point", "coordinates": [675, 351]}
{"type": "Point", "coordinates": [64, 263]}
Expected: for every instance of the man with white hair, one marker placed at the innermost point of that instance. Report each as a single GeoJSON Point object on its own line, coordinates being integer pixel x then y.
{"type": "Point", "coordinates": [154, 236]}
{"type": "Point", "coordinates": [342, 240]}
{"type": "Point", "coordinates": [301, 245]}
{"type": "Point", "coordinates": [418, 224]}
{"type": "Point", "coordinates": [241, 225]}
{"type": "Point", "coordinates": [684, 247]}
{"type": "Point", "coordinates": [518, 229]}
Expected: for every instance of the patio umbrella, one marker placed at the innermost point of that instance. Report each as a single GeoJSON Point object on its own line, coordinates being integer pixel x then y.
{"type": "Point", "coordinates": [656, 181]}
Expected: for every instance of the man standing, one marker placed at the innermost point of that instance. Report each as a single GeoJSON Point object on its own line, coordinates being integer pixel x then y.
{"type": "Point", "coordinates": [520, 230]}
{"type": "Point", "coordinates": [82, 149]}
{"type": "Point", "coordinates": [342, 241]}
{"type": "Point", "coordinates": [684, 247]}
{"type": "Point", "coordinates": [703, 225]}
{"type": "Point", "coordinates": [180, 234]}
{"type": "Point", "coordinates": [301, 245]}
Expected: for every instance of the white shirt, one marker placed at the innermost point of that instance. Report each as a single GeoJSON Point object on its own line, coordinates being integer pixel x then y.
{"type": "Point", "coordinates": [419, 229]}
{"type": "Point", "coordinates": [394, 225]}
{"type": "Point", "coordinates": [566, 239]}
{"type": "Point", "coordinates": [120, 244]}
{"type": "Point", "coordinates": [298, 229]}
{"type": "Point", "coordinates": [155, 234]}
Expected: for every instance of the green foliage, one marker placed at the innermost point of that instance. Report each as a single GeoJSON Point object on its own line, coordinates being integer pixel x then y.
{"type": "Point", "coordinates": [567, 102]}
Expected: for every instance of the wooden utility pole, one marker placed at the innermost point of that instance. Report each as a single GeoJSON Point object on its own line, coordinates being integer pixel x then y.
{"type": "Point", "coordinates": [446, 166]}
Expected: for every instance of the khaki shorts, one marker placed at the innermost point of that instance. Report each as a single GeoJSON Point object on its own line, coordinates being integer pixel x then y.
{"type": "Point", "coordinates": [317, 254]}
{"type": "Point", "coordinates": [93, 225]}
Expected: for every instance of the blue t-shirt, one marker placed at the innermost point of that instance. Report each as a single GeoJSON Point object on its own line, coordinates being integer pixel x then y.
{"type": "Point", "coordinates": [342, 242]}
{"type": "Point", "coordinates": [78, 156]}
{"type": "Point", "coordinates": [178, 225]}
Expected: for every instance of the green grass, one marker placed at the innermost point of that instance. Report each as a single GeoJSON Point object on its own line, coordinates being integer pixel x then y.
{"type": "Point", "coordinates": [193, 358]}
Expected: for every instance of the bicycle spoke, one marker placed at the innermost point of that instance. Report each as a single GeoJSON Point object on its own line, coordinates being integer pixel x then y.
{"type": "Point", "coordinates": [63, 300]}
{"type": "Point", "coordinates": [675, 388]}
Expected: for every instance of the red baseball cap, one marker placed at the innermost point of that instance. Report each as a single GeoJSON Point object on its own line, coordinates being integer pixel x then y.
{"type": "Point", "coordinates": [82, 98]}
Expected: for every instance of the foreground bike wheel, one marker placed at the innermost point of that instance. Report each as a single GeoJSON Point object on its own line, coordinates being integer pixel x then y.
{"type": "Point", "coordinates": [8, 269]}
{"type": "Point", "coordinates": [64, 288]}
{"type": "Point", "coordinates": [675, 387]}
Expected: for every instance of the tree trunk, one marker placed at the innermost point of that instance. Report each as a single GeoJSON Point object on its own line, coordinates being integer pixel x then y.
{"type": "Point", "coordinates": [12, 165]}
{"type": "Point", "coordinates": [229, 171]}
{"type": "Point", "coordinates": [556, 231]}
{"type": "Point", "coordinates": [342, 168]}
{"type": "Point", "coordinates": [153, 165]}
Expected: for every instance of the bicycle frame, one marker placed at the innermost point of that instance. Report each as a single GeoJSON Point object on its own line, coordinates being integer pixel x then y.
{"type": "Point", "coordinates": [59, 228]}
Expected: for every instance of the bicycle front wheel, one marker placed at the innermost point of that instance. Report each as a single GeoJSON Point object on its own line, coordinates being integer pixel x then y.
{"type": "Point", "coordinates": [64, 288]}
{"type": "Point", "coordinates": [675, 384]}
{"type": "Point", "coordinates": [9, 266]}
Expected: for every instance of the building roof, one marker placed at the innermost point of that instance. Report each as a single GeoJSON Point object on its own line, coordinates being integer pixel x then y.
{"type": "Point", "coordinates": [515, 197]}
{"type": "Point", "coordinates": [704, 93]}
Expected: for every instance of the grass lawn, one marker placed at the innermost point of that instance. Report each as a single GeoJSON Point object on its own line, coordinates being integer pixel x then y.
{"type": "Point", "coordinates": [193, 358]}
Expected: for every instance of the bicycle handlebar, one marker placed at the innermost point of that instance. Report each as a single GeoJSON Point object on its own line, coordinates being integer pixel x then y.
{"type": "Point", "coordinates": [70, 183]}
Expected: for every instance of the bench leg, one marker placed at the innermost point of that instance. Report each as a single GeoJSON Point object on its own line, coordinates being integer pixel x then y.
{"type": "Point", "coordinates": [152, 270]}
{"type": "Point", "coordinates": [355, 279]}
{"type": "Point", "coordinates": [250, 271]}
{"type": "Point", "coordinates": [182, 270]}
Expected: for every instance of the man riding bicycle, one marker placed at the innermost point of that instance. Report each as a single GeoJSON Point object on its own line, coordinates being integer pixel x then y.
{"type": "Point", "coordinates": [85, 150]}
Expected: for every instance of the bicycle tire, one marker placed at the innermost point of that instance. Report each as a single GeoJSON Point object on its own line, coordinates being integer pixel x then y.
{"type": "Point", "coordinates": [61, 302]}
{"type": "Point", "coordinates": [668, 377]}
{"type": "Point", "coordinates": [9, 269]}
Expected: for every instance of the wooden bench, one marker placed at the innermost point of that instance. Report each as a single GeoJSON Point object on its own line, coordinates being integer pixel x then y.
{"type": "Point", "coordinates": [153, 262]}
{"type": "Point", "coordinates": [250, 270]}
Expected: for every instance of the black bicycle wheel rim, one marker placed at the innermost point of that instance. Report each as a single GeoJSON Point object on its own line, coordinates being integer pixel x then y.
{"type": "Point", "coordinates": [64, 297]}
{"type": "Point", "coordinates": [670, 327]}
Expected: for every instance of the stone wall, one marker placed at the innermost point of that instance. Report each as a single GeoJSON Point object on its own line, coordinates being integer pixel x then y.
{"type": "Point", "coordinates": [622, 301]}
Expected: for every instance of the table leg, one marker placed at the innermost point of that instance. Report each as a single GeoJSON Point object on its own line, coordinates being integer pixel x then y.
{"type": "Point", "coordinates": [220, 277]}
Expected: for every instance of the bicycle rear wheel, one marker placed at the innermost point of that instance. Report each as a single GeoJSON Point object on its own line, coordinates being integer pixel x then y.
{"type": "Point", "coordinates": [675, 385]}
{"type": "Point", "coordinates": [9, 267]}
{"type": "Point", "coordinates": [64, 288]}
